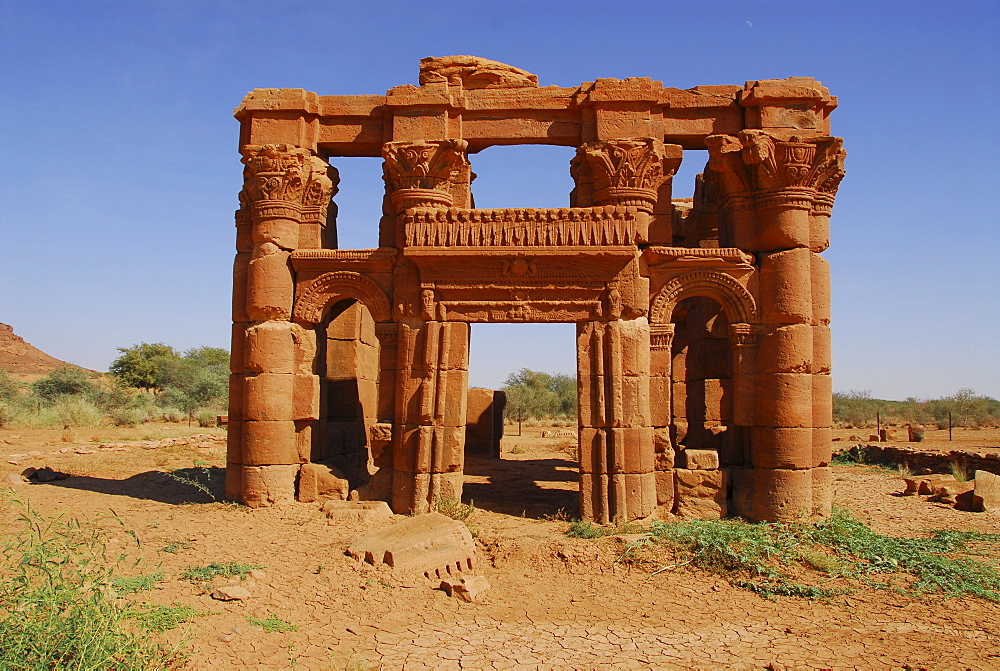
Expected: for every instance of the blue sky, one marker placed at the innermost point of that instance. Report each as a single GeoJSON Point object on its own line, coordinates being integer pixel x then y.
{"type": "Point", "coordinates": [119, 167]}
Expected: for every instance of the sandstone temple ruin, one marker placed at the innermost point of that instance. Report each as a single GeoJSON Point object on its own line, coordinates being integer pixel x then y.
{"type": "Point", "coordinates": [702, 324]}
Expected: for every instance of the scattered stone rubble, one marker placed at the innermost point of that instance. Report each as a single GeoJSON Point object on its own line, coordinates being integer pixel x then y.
{"type": "Point", "coordinates": [981, 494]}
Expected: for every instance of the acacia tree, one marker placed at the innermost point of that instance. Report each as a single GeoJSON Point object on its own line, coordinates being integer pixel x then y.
{"type": "Point", "coordinates": [140, 365]}
{"type": "Point", "coordinates": [532, 394]}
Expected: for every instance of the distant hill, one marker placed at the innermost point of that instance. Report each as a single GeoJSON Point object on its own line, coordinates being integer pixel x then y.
{"type": "Point", "coordinates": [21, 358]}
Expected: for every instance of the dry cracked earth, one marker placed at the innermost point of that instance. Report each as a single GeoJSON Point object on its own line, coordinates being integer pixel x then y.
{"type": "Point", "coordinates": [554, 601]}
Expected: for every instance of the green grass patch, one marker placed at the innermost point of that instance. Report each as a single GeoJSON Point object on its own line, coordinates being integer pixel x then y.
{"type": "Point", "coordinates": [800, 559]}
{"type": "Point", "coordinates": [226, 569]}
{"type": "Point", "coordinates": [139, 583]}
{"type": "Point", "coordinates": [164, 618]}
{"type": "Point", "coordinates": [582, 529]}
{"type": "Point", "coordinates": [58, 605]}
{"type": "Point", "coordinates": [454, 508]}
{"type": "Point", "coordinates": [272, 624]}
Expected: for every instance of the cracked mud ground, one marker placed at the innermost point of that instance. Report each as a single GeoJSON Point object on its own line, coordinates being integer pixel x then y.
{"type": "Point", "coordinates": [555, 601]}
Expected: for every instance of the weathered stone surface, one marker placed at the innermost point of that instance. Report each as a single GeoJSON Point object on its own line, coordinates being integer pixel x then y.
{"type": "Point", "coordinates": [465, 588]}
{"type": "Point", "coordinates": [356, 512]}
{"type": "Point", "coordinates": [322, 481]}
{"type": "Point", "coordinates": [431, 545]}
{"type": "Point", "coordinates": [231, 593]}
{"type": "Point", "coordinates": [986, 495]}
{"type": "Point", "coordinates": [718, 346]}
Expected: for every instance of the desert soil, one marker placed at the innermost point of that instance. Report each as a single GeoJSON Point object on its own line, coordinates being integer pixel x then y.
{"type": "Point", "coordinates": [555, 601]}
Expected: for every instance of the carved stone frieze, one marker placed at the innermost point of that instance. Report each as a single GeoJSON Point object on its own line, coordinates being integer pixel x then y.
{"type": "Point", "coordinates": [728, 292]}
{"type": "Point", "coordinates": [661, 337]}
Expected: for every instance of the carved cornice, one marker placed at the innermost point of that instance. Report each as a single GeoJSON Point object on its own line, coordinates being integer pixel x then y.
{"type": "Point", "coordinates": [429, 166]}
{"type": "Point", "coordinates": [661, 337]}
{"type": "Point", "coordinates": [626, 171]}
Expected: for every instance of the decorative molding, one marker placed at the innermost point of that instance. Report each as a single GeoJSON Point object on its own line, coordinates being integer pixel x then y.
{"type": "Point", "coordinates": [527, 227]}
{"type": "Point", "coordinates": [626, 172]}
{"type": "Point", "coordinates": [661, 336]}
{"type": "Point", "coordinates": [733, 296]}
{"type": "Point", "coordinates": [743, 335]}
{"type": "Point", "coordinates": [315, 296]}
{"type": "Point", "coordinates": [427, 166]}
{"type": "Point", "coordinates": [274, 172]}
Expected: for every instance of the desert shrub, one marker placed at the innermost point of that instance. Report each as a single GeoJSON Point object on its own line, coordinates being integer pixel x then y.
{"type": "Point", "coordinates": [65, 381]}
{"type": "Point", "coordinates": [205, 417]}
{"type": "Point", "coordinates": [58, 605]}
{"type": "Point", "coordinates": [77, 410]}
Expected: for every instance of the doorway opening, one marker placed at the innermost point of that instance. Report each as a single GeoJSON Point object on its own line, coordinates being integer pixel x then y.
{"type": "Point", "coordinates": [535, 474]}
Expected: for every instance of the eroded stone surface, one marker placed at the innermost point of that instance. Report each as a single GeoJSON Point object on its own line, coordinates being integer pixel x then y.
{"type": "Point", "coordinates": [431, 545]}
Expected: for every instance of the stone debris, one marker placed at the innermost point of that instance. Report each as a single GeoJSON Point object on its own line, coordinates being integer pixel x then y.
{"type": "Point", "coordinates": [925, 484]}
{"type": "Point", "coordinates": [986, 495]}
{"type": "Point", "coordinates": [357, 512]}
{"type": "Point", "coordinates": [948, 492]}
{"type": "Point", "coordinates": [13, 479]}
{"type": "Point", "coordinates": [431, 545]}
{"type": "Point", "coordinates": [231, 593]}
{"type": "Point", "coordinates": [322, 481]}
{"type": "Point", "coordinates": [465, 588]}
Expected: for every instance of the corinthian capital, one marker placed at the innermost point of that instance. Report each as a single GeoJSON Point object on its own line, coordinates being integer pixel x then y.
{"type": "Point", "coordinates": [627, 171]}
{"type": "Point", "coordinates": [423, 165]}
{"type": "Point", "coordinates": [274, 172]}
{"type": "Point", "coordinates": [756, 162]}
{"type": "Point", "coordinates": [321, 183]}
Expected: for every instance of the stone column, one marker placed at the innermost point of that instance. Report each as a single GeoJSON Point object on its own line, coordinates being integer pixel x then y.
{"type": "Point", "coordinates": [661, 338]}
{"type": "Point", "coordinates": [617, 475]}
{"type": "Point", "coordinates": [275, 180]}
{"type": "Point", "coordinates": [784, 181]}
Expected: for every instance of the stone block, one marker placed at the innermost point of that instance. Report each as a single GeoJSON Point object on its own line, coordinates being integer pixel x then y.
{"type": "Point", "coordinates": [819, 232]}
{"type": "Point", "coordinates": [678, 400]}
{"type": "Point", "coordinates": [822, 350]}
{"type": "Point", "coordinates": [241, 269]}
{"type": "Point", "coordinates": [465, 588]}
{"type": "Point", "coordinates": [986, 495]}
{"type": "Point", "coordinates": [783, 226]}
{"type": "Point", "coordinates": [698, 460]}
{"type": "Point", "coordinates": [237, 347]}
{"type": "Point", "coordinates": [782, 495]}
{"type": "Point", "coordinates": [270, 287]}
{"type": "Point", "coordinates": [265, 486]}
{"type": "Point", "coordinates": [822, 492]}
{"type": "Point", "coordinates": [304, 435]}
{"type": "Point", "coordinates": [786, 349]}
{"type": "Point", "coordinates": [269, 443]}
{"type": "Point", "coordinates": [268, 397]}
{"type": "Point", "coordinates": [820, 283]}
{"type": "Point", "coordinates": [659, 401]}
{"type": "Point", "coordinates": [785, 295]}
{"type": "Point", "coordinates": [700, 494]}
{"type": "Point", "coordinates": [305, 342]}
{"type": "Point", "coordinates": [236, 387]}
{"type": "Point", "coordinates": [351, 513]}
{"type": "Point", "coordinates": [234, 441]}
{"type": "Point", "coordinates": [449, 449]}
{"type": "Point", "coordinates": [593, 450]}
{"type": "Point", "coordinates": [665, 490]}
{"type": "Point", "coordinates": [822, 400]}
{"type": "Point", "coordinates": [270, 348]}
{"type": "Point", "coordinates": [234, 482]}
{"type": "Point", "coordinates": [305, 396]}
{"type": "Point", "coordinates": [948, 492]}
{"type": "Point", "coordinates": [635, 402]}
{"type": "Point", "coordinates": [784, 400]}
{"type": "Point", "coordinates": [319, 481]}
{"type": "Point", "coordinates": [781, 447]}
{"type": "Point", "coordinates": [431, 545]}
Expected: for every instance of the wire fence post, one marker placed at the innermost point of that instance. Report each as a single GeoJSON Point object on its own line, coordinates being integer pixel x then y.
{"type": "Point", "coordinates": [949, 425]}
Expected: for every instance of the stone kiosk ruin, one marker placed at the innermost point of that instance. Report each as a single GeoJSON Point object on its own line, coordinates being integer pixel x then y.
{"type": "Point", "coordinates": [703, 340]}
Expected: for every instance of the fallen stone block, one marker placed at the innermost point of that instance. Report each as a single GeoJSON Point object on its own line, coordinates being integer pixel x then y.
{"type": "Point", "coordinates": [986, 495]}
{"type": "Point", "coordinates": [431, 545]}
{"type": "Point", "coordinates": [356, 512]}
{"type": "Point", "coordinates": [322, 481]}
{"type": "Point", "coordinates": [467, 588]}
{"type": "Point", "coordinates": [929, 484]}
{"type": "Point", "coordinates": [13, 479]}
{"type": "Point", "coordinates": [948, 491]}
{"type": "Point", "coordinates": [231, 593]}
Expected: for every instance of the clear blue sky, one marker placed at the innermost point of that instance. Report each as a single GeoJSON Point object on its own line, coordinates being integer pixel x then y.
{"type": "Point", "coordinates": [119, 167]}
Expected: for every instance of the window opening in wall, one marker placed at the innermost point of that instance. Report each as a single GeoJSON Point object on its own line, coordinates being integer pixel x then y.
{"type": "Point", "coordinates": [526, 175]}
{"type": "Point", "coordinates": [536, 473]}
{"type": "Point", "coordinates": [357, 205]}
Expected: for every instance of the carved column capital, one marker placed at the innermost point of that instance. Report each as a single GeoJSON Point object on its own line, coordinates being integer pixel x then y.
{"type": "Point", "coordinates": [661, 336]}
{"type": "Point", "coordinates": [626, 171]}
{"type": "Point", "coordinates": [743, 335]}
{"type": "Point", "coordinates": [274, 172]}
{"type": "Point", "coordinates": [422, 174]}
{"type": "Point", "coordinates": [803, 173]}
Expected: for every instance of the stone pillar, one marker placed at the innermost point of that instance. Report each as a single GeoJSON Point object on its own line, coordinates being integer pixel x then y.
{"type": "Point", "coordinates": [431, 402]}
{"type": "Point", "coordinates": [661, 338]}
{"type": "Point", "coordinates": [271, 394]}
{"type": "Point", "coordinates": [790, 184]}
{"type": "Point", "coordinates": [617, 474]}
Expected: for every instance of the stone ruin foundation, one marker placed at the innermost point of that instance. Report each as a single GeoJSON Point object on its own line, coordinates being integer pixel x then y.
{"type": "Point", "coordinates": [703, 339]}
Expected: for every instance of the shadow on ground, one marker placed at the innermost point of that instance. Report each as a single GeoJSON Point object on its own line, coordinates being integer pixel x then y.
{"type": "Point", "coordinates": [185, 485]}
{"type": "Point", "coordinates": [534, 488]}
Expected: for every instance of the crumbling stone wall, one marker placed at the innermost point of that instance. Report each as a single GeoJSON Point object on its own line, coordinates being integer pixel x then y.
{"type": "Point", "coordinates": [702, 324]}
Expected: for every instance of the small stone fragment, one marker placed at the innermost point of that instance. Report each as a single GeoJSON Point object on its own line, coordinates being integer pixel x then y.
{"type": "Point", "coordinates": [231, 593]}
{"type": "Point", "coordinates": [228, 637]}
{"type": "Point", "coordinates": [986, 495]}
{"type": "Point", "coordinates": [466, 588]}
{"type": "Point", "coordinates": [13, 479]}
{"type": "Point", "coordinates": [257, 574]}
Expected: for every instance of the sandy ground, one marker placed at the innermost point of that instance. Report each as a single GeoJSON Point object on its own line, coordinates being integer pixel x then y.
{"type": "Point", "coordinates": [555, 601]}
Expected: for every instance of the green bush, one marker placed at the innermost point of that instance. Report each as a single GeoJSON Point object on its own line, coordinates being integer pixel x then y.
{"type": "Point", "coordinates": [535, 395]}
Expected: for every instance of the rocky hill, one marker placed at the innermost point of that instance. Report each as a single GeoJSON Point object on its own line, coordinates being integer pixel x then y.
{"type": "Point", "coordinates": [18, 356]}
